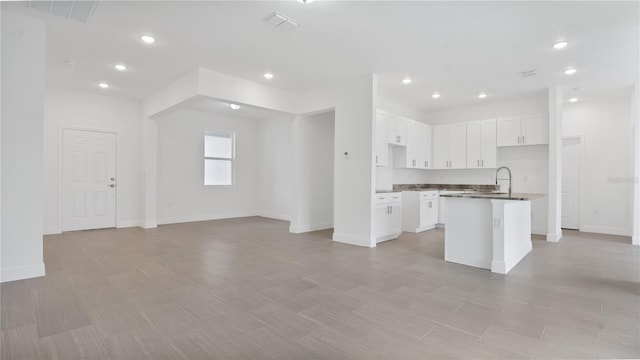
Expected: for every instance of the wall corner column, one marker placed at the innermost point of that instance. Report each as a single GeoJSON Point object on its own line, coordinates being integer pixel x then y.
{"type": "Point", "coordinates": [149, 177]}
{"type": "Point", "coordinates": [554, 223]}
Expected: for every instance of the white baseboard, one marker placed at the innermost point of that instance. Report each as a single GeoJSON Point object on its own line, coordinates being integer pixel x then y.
{"type": "Point", "coordinates": [605, 230]}
{"type": "Point", "coordinates": [353, 240]}
{"type": "Point", "coordinates": [299, 229]}
{"type": "Point", "coordinates": [22, 272]}
{"type": "Point", "coordinates": [539, 231]}
{"type": "Point", "coordinates": [51, 230]}
{"type": "Point", "coordinates": [129, 223]}
{"type": "Point", "coordinates": [276, 216]}
{"type": "Point", "coordinates": [204, 217]}
{"type": "Point", "coordinates": [149, 224]}
{"type": "Point", "coordinates": [554, 237]}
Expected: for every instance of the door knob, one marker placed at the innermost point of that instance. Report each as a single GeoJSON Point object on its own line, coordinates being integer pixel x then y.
{"type": "Point", "coordinates": [112, 185]}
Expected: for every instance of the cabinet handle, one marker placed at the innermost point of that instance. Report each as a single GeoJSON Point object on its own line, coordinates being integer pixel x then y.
{"type": "Point", "coordinates": [426, 164]}
{"type": "Point", "coordinates": [429, 204]}
{"type": "Point", "coordinates": [376, 159]}
{"type": "Point", "coordinates": [523, 139]}
{"type": "Point", "coordinates": [483, 163]}
{"type": "Point", "coordinates": [478, 163]}
{"type": "Point", "coordinates": [518, 139]}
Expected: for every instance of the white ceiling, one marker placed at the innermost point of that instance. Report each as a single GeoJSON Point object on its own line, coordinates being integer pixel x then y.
{"type": "Point", "coordinates": [455, 48]}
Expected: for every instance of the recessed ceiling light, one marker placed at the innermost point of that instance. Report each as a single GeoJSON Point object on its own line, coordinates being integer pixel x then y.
{"type": "Point", "coordinates": [570, 71]}
{"type": "Point", "coordinates": [560, 45]}
{"type": "Point", "coordinates": [268, 76]}
{"type": "Point", "coordinates": [435, 95]}
{"type": "Point", "coordinates": [234, 106]}
{"type": "Point", "coordinates": [482, 95]}
{"type": "Point", "coordinates": [305, 1]}
{"type": "Point", "coordinates": [406, 81]}
{"type": "Point", "coordinates": [103, 85]}
{"type": "Point", "coordinates": [148, 39]}
{"type": "Point", "coordinates": [120, 67]}
{"type": "Point", "coordinates": [573, 99]}
{"type": "Point", "coordinates": [69, 63]}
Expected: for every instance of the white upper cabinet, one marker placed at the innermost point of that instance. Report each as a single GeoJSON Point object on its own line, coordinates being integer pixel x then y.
{"type": "Point", "coordinates": [424, 159]}
{"type": "Point", "coordinates": [458, 146]}
{"type": "Point", "coordinates": [481, 144]}
{"type": "Point", "coordinates": [535, 130]}
{"type": "Point", "coordinates": [397, 130]}
{"type": "Point", "coordinates": [441, 146]}
{"type": "Point", "coordinates": [522, 130]}
{"type": "Point", "coordinates": [382, 148]}
{"type": "Point", "coordinates": [450, 146]}
{"type": "Point", "coordinates": [417, 153]}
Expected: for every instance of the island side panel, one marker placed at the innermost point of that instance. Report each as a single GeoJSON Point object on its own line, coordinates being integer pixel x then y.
{"type": "Point", "coordinates": [469, 232]}
{"type": "Point", "coordinates": [512, 234]}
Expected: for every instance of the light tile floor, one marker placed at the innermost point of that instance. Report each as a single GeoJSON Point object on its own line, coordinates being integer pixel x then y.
{"type": "Point", "coordinates": [247, 289]}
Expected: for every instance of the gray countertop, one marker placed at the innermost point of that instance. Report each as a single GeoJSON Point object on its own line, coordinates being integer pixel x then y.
{"type": "Point", "coordinates": [496, 196]}
{"type": "Point", "coordinates": [447, 187]}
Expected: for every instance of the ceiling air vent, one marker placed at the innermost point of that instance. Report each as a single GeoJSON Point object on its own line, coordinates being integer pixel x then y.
{"type": "Point", "coordinates": [280, 21]}
{"type": "Point", "coordinates": [74, 10]}
{"type": "Point", "coordinates": [529, 73]}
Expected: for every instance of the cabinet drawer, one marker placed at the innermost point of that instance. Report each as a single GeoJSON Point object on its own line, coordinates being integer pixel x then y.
{"type": "Point", "coordinates": [395, 198]}
{"type": "Point", "coordinates": [426, 195]}
{"type": "Point", "coordinates": [382, 198]}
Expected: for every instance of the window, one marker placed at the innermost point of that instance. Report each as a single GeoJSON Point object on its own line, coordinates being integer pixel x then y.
{"type": "Point", "coordinates": [218, 157]}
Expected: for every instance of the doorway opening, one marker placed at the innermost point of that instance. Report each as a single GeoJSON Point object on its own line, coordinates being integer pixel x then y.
{"type": "Point", "coordinates": [571, 176]}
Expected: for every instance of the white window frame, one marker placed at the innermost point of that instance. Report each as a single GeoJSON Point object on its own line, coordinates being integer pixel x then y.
{"type": "Point", "coordinates": [232, 159]}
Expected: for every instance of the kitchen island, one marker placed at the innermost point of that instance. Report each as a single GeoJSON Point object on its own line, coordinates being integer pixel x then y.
{"type": "Point", "coordinates": [488, 230]}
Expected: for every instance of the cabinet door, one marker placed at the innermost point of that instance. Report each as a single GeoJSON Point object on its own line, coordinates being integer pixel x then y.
{"type": "Point", "coordinates": [381, 139]}
{"type": "Point", "coordinates": [509, 131]}
{"type": "Point", "coordinates": [413, 144]}
{"type": "Point", "coordinates": [474, 144]}
{"type": "Point", "coordinates": [381, 218]}
{"type": "Point", "coordinates": [442, 207]}
{"type": "Point", "coordinates": [424, 213]}
{"type": "Point", "coordinates": [535, 130]}
{"type": "Point", "coordinates": [440, 146]}
{"type": "Point", "coordinates": [392, 131]}
{"type": "Point", "coordinates": [402, 130]}
{"type": "Point", "coordinates": [489, 149]}
{"type": "Point", "coordinates": [432, 212]}
{"type": "Point", "coordinates": [395, 219]}
{"type": "Point", "coordinates": [426, 147]}
{"type": "Point", "coordinates": [458, 146]}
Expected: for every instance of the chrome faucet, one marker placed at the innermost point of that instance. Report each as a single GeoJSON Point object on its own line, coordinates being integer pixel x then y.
{"type": "Point", "coordinates": [509, 170]}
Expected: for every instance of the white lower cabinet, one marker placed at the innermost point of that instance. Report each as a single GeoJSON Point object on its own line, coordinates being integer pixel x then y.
{"type": "Point", "coordinates": [387, 216]}
{"type": "Point", "coordinates": [420, 210]}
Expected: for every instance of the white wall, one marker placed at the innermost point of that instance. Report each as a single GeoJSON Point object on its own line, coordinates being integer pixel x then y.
{"type": "Point", "coordinates": [276, 167]}
{"type": "Point", "coordinates": [22, 72]}
{"type": "Point", "coordinates": [607, 178]}
{"type": "Point", "coordinates": [354, 179]}
{"type": "Point", "coordinates": [313, 138]}
{"type": "Point", "coordinates": [87, 111]}
{"type": "Point", "coordinates": [182, 195]}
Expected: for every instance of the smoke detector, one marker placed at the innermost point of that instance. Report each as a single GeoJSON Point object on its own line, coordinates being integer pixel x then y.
{"type": "Point", "coordinates": [280, 21]}
{"type": "Point", "coordinates": [74, 10]}
{"type": "Point", "coordinates": [529, 73]}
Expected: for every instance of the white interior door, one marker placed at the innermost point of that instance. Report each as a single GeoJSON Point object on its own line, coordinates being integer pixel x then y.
{"type": "Point", "coordinates": [571, 158]}
{"type": "Point", "coordinates": [88, 180]}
